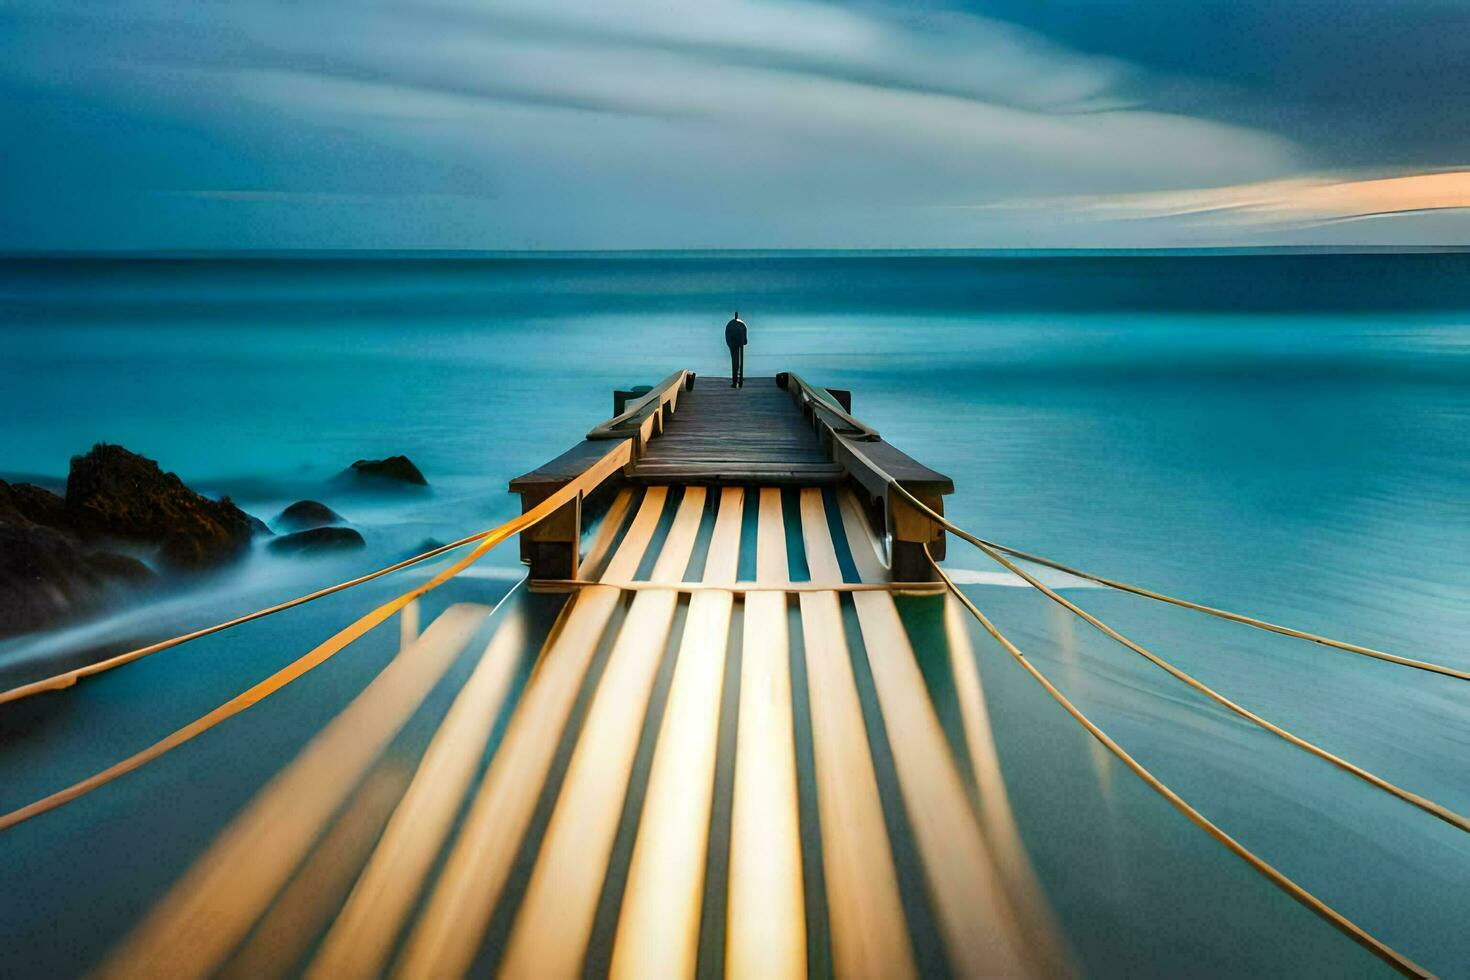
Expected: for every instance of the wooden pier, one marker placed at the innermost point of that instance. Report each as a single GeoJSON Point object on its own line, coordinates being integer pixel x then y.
{"type": "Point", "coordinates": [706, 741]}
{"type": "Point", "coordinates": [777, 432]}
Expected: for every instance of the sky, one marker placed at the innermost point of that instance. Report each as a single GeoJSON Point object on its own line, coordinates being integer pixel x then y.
{"type": "Point", "coordinates": [564, 124]}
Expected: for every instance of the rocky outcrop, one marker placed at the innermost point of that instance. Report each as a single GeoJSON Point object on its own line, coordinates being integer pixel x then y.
{"type": "Point", "coordinates": [117, 494]}
{"type": "Point", "coordinates": [46, 572]}
{"type": "Point", "coordinates": [307, 514]}
{"type": "Point", "coordinates": [318, 540]}
{"type": "Point", "coordinates": [36, 504]}
{"type": "Point", "coordinates": [62, 556]}
{"type": "Point", "coordinates": [395, 470]}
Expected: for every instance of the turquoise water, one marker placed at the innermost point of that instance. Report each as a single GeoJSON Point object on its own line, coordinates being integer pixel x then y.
{"type": "Point", "coordinates": [1288, 436]}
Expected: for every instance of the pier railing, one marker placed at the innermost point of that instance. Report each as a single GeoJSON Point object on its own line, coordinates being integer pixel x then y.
{"type": "Point", "coordinates": [879, 468]}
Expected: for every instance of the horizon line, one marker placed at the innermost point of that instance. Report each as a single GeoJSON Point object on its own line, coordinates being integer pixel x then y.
{"type": "Point", "coordinates": [472, 253]}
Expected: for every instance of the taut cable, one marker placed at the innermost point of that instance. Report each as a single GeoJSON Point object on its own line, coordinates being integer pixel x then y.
{"type": "Point", "coordinates": [1337, 920]}
{"type": "Point", "coordinates": [1427, 805]}
{"type": "Point", "coordinates": [1260, 624]}
{"type": "Point", "coordinates": [297, 668]}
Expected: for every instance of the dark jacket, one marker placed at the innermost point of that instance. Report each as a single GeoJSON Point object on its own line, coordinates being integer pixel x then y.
{"type": "Point", "coordinates": [735, 333]}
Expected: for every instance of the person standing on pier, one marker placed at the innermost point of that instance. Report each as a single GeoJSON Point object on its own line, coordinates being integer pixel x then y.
{"type": "Point", "coordinates": [735, 340]}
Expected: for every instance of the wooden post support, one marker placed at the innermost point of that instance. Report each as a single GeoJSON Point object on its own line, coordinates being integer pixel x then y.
{"type": "Point", "coordinates": [912, 530]}
{"type": "Point", "coordinates": [552, 547]}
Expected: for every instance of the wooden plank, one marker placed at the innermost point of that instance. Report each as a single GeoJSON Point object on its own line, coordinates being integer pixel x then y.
{"type": "Point", "coordinates": [448, 934]}
{"type": "Point", "coordinates": [770, 553]}
{"type": "Point", "coordinates": [554, 923]}
{"type": "Point", "coordinates": [752, 468]}
{"type": "Point", "coordinates": [658, 926]}
{"type": "Point", "coordinates": [364, 933]}
{"type": "Point", "coordinates": [208, 911]}
{"type": "Point", "coordinates": [722, 562]}
{"type": "Point", "coordinates": [737, 436]}
{"type": "Point", "coordinates": [625, 563]}
{"type": "Point", "coordinates": [860, 539]}
{"type": "Point", "coordinates": [765, 932]}
{"type": "Point", "coordinates": [730, 474]}
{"type": "Point", "coordinates": [606, 532]}
{"type": "Point", "coordinates": [869, 932]}
{"type": "Point", "coordinates": [977, 920]}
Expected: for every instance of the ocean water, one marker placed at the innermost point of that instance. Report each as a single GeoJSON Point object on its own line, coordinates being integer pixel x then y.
{"type": "Point", "coordinates": [1286, 435]}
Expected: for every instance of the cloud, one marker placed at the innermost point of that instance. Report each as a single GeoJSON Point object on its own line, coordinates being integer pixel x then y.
{"type": "Point", "coordinates": [630, 124]}
{"type": "Point", "coordinates": [1292, 201]}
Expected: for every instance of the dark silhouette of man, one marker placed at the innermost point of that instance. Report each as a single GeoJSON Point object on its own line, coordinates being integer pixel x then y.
{"type": "Point", "coordinates": [735, 340]}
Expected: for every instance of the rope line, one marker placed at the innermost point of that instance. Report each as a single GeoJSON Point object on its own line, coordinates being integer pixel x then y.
{"type": "Point", "coordinates": [70, 677]}
{"type": "Point", "coordinates": [297, 668]}
{"type": "Point", "coordinates": [66, 679]}
{"type": "Point", "coordinates": [1424, 803]}
{"type": "Point", "coordinates": [1260, 624]}
{"type": "Point", "coordinates": [1337, 920]}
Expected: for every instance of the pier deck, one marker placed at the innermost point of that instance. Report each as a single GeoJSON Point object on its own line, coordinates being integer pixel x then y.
{"type": "Point", "coordinates": [725, 435]}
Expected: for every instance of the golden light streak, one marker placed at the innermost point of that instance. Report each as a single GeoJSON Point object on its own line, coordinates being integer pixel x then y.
{"type": "Point", "coordinates": [980, 928]}
{"type": "Point", "coordinates": [869, 932]}
{"type": "Point", "coordinates": [554, 923]}
{"type": "Point", "coordinates": [658, 925]}
{"type": "Point", "coordinates": [191, 931]}
{"type": "Point", "coordinates": [446, 938]}
{"type": "Point", "coordinates": [765, 920]}
{"type": "Point", "coordinates": [315, 894]}
{"type": "Point", "coordinates": [363, 936]}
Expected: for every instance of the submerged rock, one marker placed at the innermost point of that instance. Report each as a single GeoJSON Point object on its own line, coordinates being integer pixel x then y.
{"type": "Point", "coordinates": [318, 539]}
{"type": "Point", "coordinates": [384, 472]}
{"type": "Point", "coordinates": [114, 493]}
{"type": "Point", "coordinates": [307, 514]}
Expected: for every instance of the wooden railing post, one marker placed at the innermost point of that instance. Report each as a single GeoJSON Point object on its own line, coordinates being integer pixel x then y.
{"type": "Point", "coordinates": [912, 529]}
{"type": "Point", "coordinates": [552, 547]}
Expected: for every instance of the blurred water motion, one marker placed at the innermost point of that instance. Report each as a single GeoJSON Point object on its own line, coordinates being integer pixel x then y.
{"type": "Point", "coordinates": [1307, 467]}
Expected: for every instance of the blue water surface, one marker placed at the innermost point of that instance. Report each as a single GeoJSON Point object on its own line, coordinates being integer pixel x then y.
{"type": "Point", "coordinates": [1285, 435]}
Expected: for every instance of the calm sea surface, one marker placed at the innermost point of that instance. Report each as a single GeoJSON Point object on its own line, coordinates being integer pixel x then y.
{"type": "Point", "coordinates": [1284, 435]}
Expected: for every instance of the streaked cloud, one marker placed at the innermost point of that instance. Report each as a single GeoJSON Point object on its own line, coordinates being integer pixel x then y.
{"type": "Point", "coordinates": [554, 124]}
{"type": "Point", "coordinates": [1293, 201]}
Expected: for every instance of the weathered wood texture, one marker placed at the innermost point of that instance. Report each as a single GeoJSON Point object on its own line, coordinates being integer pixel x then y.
{"type": "Point", "coordinates": [772, 432]}
{"type": "Point", "coordinates": [725, 435]}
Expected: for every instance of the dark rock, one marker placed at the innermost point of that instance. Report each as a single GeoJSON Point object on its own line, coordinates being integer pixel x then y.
{"type": "Point", "coordinates": [394, 469]}
{"type": "Point", "coordinates": [120, 569]}
{"type": "Point", "coordinates": [39, 505]}
{"type": "Point", "coordinates": [306, 514]}
{"type": "Point", "coordinates": [44, 577]}
{"type": "Point", "coordinates": [113, 493]}
{"type": "Point", "coordinates": [318, 539]}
